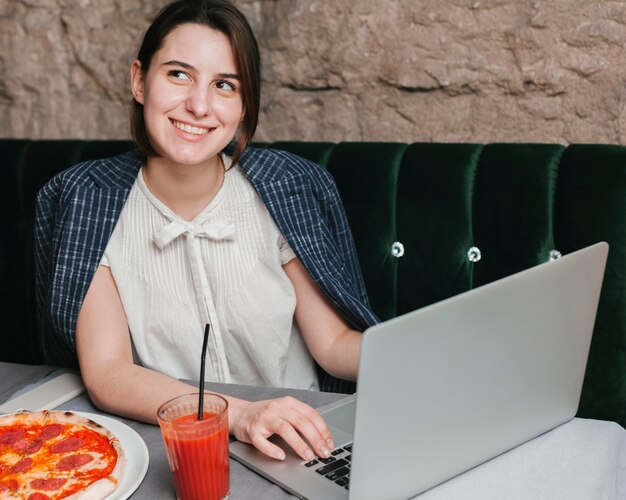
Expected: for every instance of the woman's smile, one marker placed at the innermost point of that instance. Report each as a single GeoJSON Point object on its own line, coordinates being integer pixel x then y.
{"type": "Point", "coordinates": [191, 129]}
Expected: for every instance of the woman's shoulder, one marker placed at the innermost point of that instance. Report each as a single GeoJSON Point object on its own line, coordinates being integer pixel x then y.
{"type": "Point", "coordinates": [116, 172]}
{"type": "Point", "coordinates": [275, 163]}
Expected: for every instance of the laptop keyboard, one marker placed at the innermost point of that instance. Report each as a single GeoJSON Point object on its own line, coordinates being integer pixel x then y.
{"type": "Point", "coordinates": [335, 468]}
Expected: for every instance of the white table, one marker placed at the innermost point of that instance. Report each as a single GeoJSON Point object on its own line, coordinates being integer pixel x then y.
{"type": "Point", "coordinates": [579, 460]}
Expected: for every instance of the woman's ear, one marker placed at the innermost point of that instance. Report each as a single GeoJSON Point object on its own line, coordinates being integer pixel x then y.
{"type": "Point", "coordinates": [136, 81]}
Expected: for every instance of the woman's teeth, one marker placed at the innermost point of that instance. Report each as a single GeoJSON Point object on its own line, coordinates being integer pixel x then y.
{"type": "Point", "coordinates": [189, 129]}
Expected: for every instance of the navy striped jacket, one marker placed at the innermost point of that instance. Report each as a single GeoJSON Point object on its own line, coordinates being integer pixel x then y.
{"type": "Point", "coordinates": [77, 211]}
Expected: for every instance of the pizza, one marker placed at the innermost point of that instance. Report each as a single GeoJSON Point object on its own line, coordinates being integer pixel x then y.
{"type": "Point", "coordinates": [57, 454]}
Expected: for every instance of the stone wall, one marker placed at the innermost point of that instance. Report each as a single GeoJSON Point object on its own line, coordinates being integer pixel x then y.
{"type": "Point", "coordinates": [336, 70]}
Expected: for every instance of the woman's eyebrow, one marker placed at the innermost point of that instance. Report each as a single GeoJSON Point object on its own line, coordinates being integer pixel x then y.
{"type": "Point", "coordinates": [174, 62]}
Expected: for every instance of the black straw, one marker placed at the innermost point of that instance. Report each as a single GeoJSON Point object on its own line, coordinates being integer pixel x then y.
{"type": "Point", "coordinates": [202, 364]}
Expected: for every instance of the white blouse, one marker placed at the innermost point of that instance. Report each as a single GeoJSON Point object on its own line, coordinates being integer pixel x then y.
{"type": "Point", "coordinates": [224, 268]}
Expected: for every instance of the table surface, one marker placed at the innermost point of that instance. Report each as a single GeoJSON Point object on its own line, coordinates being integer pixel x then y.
{"type": "Point", "coordinates": [581, 459]}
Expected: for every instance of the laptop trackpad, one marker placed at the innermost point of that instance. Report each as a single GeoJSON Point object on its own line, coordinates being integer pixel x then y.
{"type": "Point", "coordinates": [340, 414]}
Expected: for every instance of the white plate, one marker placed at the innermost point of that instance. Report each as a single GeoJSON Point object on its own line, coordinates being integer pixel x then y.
{"type": "Point", "coordinates": [137, 457]}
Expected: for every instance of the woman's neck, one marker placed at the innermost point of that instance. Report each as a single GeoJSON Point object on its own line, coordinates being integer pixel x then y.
{"type": "Point", "coordinates": [185, 189]}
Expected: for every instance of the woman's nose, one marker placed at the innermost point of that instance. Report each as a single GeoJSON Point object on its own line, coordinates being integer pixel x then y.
{"type": "Point", "coordinates": [199, 101]}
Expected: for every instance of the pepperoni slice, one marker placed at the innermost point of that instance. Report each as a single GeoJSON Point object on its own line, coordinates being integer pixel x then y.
{"type": "Point", "coordinates": [27, 447]}
{"type": "Point", "coordinates": [51, 484]}
{"type": "Point", "coordinates": [38, 496]}
{"type": "Point", "coordinates": [11, 436]}
{"type": "Point", "coordinates": [74, 461]}
{"type": "Point", "coordinates": [70, 444]}
{"type": "Point", "coordinates": [22, 466]}
{"type": "Point", "coordinates": [21, 445]}
{"type": "Point", "coordinates": [10, 485]}
{"type": "Point", "coordinates": [50, 431]}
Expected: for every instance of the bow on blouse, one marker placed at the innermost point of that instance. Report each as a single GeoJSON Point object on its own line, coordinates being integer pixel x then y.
{"type": "Point", "coordinates": [217, 230]}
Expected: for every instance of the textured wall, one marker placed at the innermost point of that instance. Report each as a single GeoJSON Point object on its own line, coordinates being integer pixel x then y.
{"type": "Point", "coordinates": [334, 70]}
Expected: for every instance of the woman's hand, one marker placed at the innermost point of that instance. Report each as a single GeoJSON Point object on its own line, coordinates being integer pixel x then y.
{"type": "Point", "coordinates": [298, 424]}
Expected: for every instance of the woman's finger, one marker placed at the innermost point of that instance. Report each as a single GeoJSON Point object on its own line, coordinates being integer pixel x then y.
{"type": "Point", "coordinates": [310, 425]}
{"type": "Point", "coordinates": [314, 417]}
{"type": "Point", "coordinates": [286, 431]}
{"type": "Point", "coordinates": [265, 446]}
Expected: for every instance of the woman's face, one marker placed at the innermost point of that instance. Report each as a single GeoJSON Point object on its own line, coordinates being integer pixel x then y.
{"type": "Point", "coordinates": [191, 95]}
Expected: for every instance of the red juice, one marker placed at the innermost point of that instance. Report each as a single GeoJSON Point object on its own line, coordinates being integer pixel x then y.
{"type": "Point", "coordinates": [198, 455]}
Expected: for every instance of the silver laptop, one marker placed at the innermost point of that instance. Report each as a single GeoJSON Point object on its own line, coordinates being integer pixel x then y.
{"type": "Point", "coordinates": [452, 385]}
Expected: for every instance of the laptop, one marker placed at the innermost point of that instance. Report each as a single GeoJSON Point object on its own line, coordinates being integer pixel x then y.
{"type": "Point", "coordinates": [454, 384]}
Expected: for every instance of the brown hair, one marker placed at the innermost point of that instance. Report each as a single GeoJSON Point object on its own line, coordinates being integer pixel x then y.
{"type": "Point", "coordinates": [222, 16]}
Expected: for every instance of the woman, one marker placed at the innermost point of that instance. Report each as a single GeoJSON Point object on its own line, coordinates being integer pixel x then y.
{"type": "Point", "coordinates": [135, 254]}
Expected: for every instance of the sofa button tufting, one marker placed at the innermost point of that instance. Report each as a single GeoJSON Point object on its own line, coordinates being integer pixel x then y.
{"type": "Point", "coordinates": [397, 249]}
{"type": "Point", "coordinates": [554, 254]}
{"type": "Point", "coordinates": [473, 254]}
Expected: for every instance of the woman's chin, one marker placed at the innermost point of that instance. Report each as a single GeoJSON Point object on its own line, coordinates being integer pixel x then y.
{"type": "Point", "coordinates": [187, 158]}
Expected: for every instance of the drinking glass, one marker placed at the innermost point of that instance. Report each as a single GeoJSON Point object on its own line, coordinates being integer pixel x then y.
{"type": "Point", "coordinates": [197, 450]}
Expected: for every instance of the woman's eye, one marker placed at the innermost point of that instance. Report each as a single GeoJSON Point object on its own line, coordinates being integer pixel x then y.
{"type": "Point", "coordinates": [179, 75]}
{"type": "Point", "coordinates": [224, 85]}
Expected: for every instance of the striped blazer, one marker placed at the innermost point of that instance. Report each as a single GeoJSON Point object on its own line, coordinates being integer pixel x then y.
{"type": "Point", "coordinates": [77, 211]}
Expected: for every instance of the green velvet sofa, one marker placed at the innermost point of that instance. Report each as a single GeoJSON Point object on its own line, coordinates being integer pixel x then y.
{"type": "Point", "coordinates": [430, 221]}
